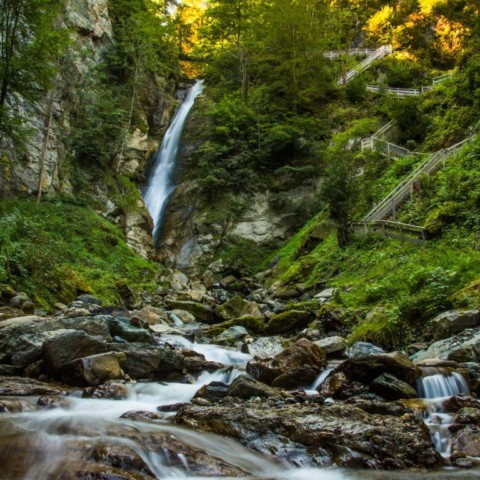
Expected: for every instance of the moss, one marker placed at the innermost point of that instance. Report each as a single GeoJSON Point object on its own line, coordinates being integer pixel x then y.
{"type": "Point", "coordinates": [286, 321]}
{"type": "Point", "coordinates": [254, 324]}
{"type": "Point", "coordinates": [198, 310]}
{"type": "Point", "coordinates": [440, 217]}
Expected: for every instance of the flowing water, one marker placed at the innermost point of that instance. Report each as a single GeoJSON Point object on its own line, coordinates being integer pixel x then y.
{"type": "Point", "coordinates": [160, 183]}
{"type": "Point", "coordinates": [435, 387]}
{"type": "Point", "coordinates": [89, 435]}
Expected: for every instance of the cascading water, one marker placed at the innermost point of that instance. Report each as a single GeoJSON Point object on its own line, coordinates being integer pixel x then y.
{"type": "Point", "coordinates": [435, 387]}
{"type": "Point", "coordinates": [160, 184]}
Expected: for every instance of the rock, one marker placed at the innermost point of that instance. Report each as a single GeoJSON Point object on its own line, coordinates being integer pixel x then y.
{"type": "Point", "coordinates": [333, 385]}
{"type": "Point", "coordinates": [332, 345]}
{"type": "Point", "coordinates": [198, 310]}
{"type": "Point", "coordinates": [89, 300]}
{"type": "Point", "coordinates": [231, 335]}
{"type": "Point", "coordinates": [325, 294]}
{"type": "Point", "coordinates": [212, 392]}
{"type": "Point", "coordinates": [28, 307]}
{"type": "Point", "coordinates": [179, 281]}
{"type": "Point", "coordinates": [68, 345]}
{"type": "Point", "coordinates": [298, 365]}
{"type": "Point", "coordinates": [366, 368]}
{"type": "Point", "coordinates": [184, 316]}
{"type": "Point", "coordinates": [467, 416]}
{"type": "Point", "coordinates": [265, 347]}
{"type": "Point", "coordinates": [10, 312]}
{"type": "Point", "coordinates": [110, 389]}
{"type": "Point", "coordinates": [236, 308]}
{"type": "Point", "coordinates": [467, 441]}
{"type": "Point", "coordinates": [313, 434]}
{"type": "Point", "coordinates": [124, 329]}
{"type": "Point", "coordinates": [362, 349]}
{"type": "Point", "coordinates": [455, 321]}
{"type": "Point", "coordinates": [286, 321]}
{"type": "Point", "coordinates": [227, 281]}
{"type": "Point", "coordinates": [463, 347]}
{"type": "Point", "coordinates": [94, 369]}
{"type": "Point", "coordinates": [391, 388]}
{"type": "Point", "coordinates": [246, 387]}
{"type": "Point", "coordinates": [96, 326]}
{"type": "Point", "coordinates": [457, 402]}
{"type": "Point", "coordinates": [250, 323]}
{"type": "Point", "coordinates": [140, 415]}
{"type": "Point", "coordinates": [20, 387]}
{"type": "Point", "coordinates": [151, 316]}
{"type": "Point", "coordinates": [18, 300]}
{"type": "Point", "coordinates": [50, 402]}
{"type": "Point", "coordinates": [175, 320]}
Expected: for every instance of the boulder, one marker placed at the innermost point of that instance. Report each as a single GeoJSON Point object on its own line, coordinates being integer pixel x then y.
{"type": "Point", "coordinates": [151, 316]}
{"type": "Point", "coordinates": [325, 294]}
{"type": "Point", "coordinates": [120, 327]}
{"type": "Point", "coordinates": [94, 370]}
{"type": "Point", "coordinates": [455, 321]}
{"type": "Point", "coordinates": [363, 349]}
{"type": "Point", "coordinates": [96, 326]}
{"type": "Point", "coordinates": [246, 387]}
{"type": "Point", "coordinates": [314, 434]}
{"type": "Point", "coordinates": [467, 441]}
{"type": "Point", "coordinates": [332, 345]}
{"type": "Point", "coordinates": [184, 316]}
{"type": "Point", "coordinates": [297, 366]}
{"type": "Point", "coordinates": [68, 345]}
{"type": "Point", "coordinates": [457, 402]}
{"type": "Point", "coordinates": [212, 392]}
{"type": "Point", "coordinates": [286, 321]}
{"type": "Point", "coordinates": [463, 347]}
{"type": "Point", "coordinates": [89, 300]}
{"type": "Point", "coordinates": [366, 368]}
{"type": "Point", "coordinates": [237, 307]}
{"type": "Point", "coordinates": [231, 335]}
{"type": "Point", "coordinates": [179, 281]}
{"type": "Point", "coordinates": [10, 312]}
{"type": "Point", "coordinates": [391, 388]}
{"type": "Point", "coordinates": [265, 347]}
{"type": "Point", "coordinates": [200, 311]}
{"type": "Point", "coordinates": [20, 387]}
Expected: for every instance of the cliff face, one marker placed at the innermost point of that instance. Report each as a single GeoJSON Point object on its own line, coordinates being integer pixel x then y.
{"type": "Point", "coordinates": [91, 34]}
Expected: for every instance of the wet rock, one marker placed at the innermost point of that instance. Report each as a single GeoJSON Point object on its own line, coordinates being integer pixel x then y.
{"type": "Point", "coordinates": [455, 321]}
{"type": "Point", "coordinates": [150, 316]}
{"type": "Point", "coordinates": [467, 416]}
{"type": "Point", "coordinates": [265, 347]}
{"type": "Point", "coordinates": [96, 326]}
{"type": "Point", "coordinates": [391, 388]}
{"type": "Point", "coordinates": [184, 316]}
{"type": "Point", "coordinates": [10, 312]}
{"type": "Point", "coordinates": [366, 368]}
{"type": "Point", "coordinates": [318, 433]}
{"type": "Point", "coordinates": [246, 387]}
{"type": "Point", "coordinates": [140, 415]}
{"type": "Point", "coordinates": [237, 307]}
{"type": "Point", "coordinates": [298, 365]}
{"type": "Point", "coordinates": [457, 402]}
{"type": "Point", "coordinates": [212, 392]}
{"type": "Point", "coordinates": [49, 402]}
{"type": "Point", "coordinates": [286, 321]}
{"type": "Point", "coordinates": [333, 385]}
{"type": "Point", "coordinates": [94, 369]}
{"type": "Point", "coordinates": [89, 300]}
{"type": "Point", "coordinates": [19, 386]}
{"type": "Point", "coordinates": [200, 311]}
{"type": "Point", "coordinates": [397, 409]}
{"type": "Point", "coordinates": [110, 389]}
{"type": "Point", "coordinates": [231, 335]}
{"type": "Point", "coordinates": [250, 323]}
{"type": "Point", "coordinates": [332, 345]}
{"type": "Point", "coordinates": [363, 349]}
{"type": "Point", "coordinates": [467, 441]}
{"type": "Point", "coordinates": [68, 345]}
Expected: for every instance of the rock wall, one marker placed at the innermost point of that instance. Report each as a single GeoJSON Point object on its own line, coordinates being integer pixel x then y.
{"type": "Point", "coordinates": [92, 33]}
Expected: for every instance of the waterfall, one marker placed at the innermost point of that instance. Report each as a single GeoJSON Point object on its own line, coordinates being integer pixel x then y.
{"type": "Point", "coordinates": [435, 387]}
{"type": "Point", "coordinates": [160, 183]}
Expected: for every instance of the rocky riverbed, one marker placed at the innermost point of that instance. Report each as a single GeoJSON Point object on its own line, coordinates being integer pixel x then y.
{"type": "Point", "coordinates": [136, 391]}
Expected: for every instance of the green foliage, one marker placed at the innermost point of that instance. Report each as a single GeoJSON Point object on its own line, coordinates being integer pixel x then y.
{"type": "Point", "coordinates": [58, 250]}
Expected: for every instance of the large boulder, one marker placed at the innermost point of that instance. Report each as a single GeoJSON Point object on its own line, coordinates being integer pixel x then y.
{"type": "Point", "coordinates": [68, 345]}
{"type": "Point", "coordinates": [296, 366]}
{"type": "Point", "coordinates": [121, 327]}
{"type": "Point", "coordinates": [236, 308]}
{"type": "Point", "coordinates": [334, 345]}
{"type": "Point", "coordinates": [455, 321]}
{"type": "Point", "coordinates": [265, 347]}
{"type": "Point", "coordinates": [363, 349]}
{"type": "Point", "coordinates": [286, 321]}
{"type": "Point", "coordinates": [312, 434]}
{"type": "Point", "coordinates": [246, 387]}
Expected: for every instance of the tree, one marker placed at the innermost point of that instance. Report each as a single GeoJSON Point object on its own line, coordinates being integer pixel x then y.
{"type": "Point", "coordinates": [30, 46]}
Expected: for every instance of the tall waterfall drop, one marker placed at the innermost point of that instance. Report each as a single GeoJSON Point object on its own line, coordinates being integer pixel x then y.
{"type": "Point", "coordinates": [160, 183]}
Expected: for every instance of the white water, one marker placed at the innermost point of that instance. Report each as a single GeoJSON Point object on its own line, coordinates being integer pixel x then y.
{"type": "Point", "coordinates": [435, 389]}
{"type": "Point", "coordinates": [160, 184]}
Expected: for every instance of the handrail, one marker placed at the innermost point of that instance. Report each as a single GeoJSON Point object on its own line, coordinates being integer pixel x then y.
{"type": "Point", "coordinates": [406, 92]}
{"type": "Point", "coordinates": [388, 228]}
{"type": "Point", "coordinates": [351, 51]}
{"type": "Point", "coordinates": [380, 210]}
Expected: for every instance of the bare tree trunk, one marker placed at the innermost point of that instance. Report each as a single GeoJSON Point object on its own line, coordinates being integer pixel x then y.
{"type": "Point", "coordinates": [45, 142]}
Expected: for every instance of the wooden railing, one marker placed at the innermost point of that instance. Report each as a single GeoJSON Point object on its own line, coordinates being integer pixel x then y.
{"type": "Point", "coordinates": [376, 55]}
{"type": "Point", "coordinates": [389, 205]}
{"type": "Point", "coordinates": [387, 228]}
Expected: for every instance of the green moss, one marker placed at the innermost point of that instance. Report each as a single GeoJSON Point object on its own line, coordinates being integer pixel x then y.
{"type": "Point", "coordinates": [58, 249]}
{"type": "Point", "coordinates": [286, 321]}
{"type": "Point", "coordinates": [254, 324]}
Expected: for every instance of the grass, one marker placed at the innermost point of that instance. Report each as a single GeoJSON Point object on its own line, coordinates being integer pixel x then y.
{"type": "Point", "coordinates": [58, 249]}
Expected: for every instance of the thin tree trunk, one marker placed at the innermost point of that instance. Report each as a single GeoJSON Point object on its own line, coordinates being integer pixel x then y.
{"type": "Point", "coordinates": [45, 142]}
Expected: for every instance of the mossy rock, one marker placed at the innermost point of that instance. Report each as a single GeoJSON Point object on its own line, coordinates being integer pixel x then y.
{"type": "Point", "coordinates": [237, 307]}
{"type": "Point", "coordinates": [286, 321]}
{"type": "Point", "coordinates": [468, 297]}
{"type": "Point", "coordinates": [440, 217]}
{"type": "Point", "coordinates": [254, 324]}
{"type": "Point", "coordinates": [201, 312]}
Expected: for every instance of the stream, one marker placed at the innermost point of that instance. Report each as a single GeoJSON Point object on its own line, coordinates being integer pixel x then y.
{"type": "Point", "coordinates": [63, 443]}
